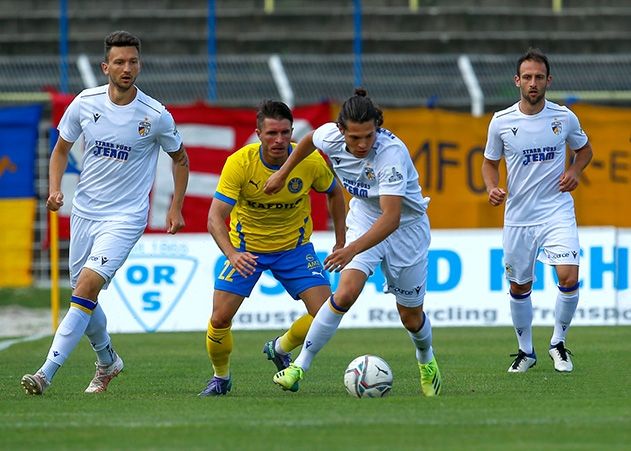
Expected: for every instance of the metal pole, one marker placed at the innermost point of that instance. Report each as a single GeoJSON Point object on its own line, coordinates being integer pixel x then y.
{"type": "Point", "coordinates": [357, 42]}
{"type": "Point", "coordinates": [212, 52]}
{"type": "Point", "coordinates": [63, 45]}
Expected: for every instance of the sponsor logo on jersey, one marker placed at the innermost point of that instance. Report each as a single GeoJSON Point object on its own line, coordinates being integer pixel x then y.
{"type": "Point", "coordinates": [556, 126]}
{"type": "Point", "coordinates": [111, 150]}
{"type": "Point", "coordinates": [355, 188]}
{"type": "Point", "coordinates": [256, 184]}
{"type": "Point", "coordinates": [395, 176]}
{"type": "Point", "coordinates": [514, 130]}
{"type": "Point", "coordinates": [144, 127]}
{"type": "Point", "coordinates": [338, 160]}
{"type": "Point", "coordinates": [294, 185]}
{"type": "Point", "coordinates": [271, 205]}
{"type": "Point", "coordinates": [538, 154]}
{"type": "Point", "coordinates": [96, 117]}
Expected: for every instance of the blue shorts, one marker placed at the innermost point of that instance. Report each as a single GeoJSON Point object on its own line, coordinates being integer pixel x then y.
{"type": "Point", "coordinates": [296, 269]}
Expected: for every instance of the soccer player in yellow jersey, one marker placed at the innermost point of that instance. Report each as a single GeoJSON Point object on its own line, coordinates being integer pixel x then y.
{"type": "Point", "coordinates": [267, 232]}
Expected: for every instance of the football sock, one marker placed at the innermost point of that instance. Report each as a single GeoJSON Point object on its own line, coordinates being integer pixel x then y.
{"type": "Point", "coordinates": [422, 340]}
{"type": "Point", "coordinates": [564, 309]}
{"type": "Point", "coordinates": [219, 348]}
{"type": "Point", "coordinates": [322, 329]}
{"type": "Point", "coordinates": [521, 313]}
{"type": "Point", "coordinates": [295, 336]}
{"type": "Point", "coordinates": [99, 338]}
{"type": "Point", "coordinates": [68, 334]}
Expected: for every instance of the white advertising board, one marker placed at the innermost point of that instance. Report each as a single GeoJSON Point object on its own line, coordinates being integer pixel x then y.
{"type": "Point", "coordinates": [167, 282]}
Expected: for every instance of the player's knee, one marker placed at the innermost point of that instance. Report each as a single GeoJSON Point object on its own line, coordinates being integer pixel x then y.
{"type": "Point", "coordinates": [568, 284]}
{"type": "Point", "coordinates": [344, 299]}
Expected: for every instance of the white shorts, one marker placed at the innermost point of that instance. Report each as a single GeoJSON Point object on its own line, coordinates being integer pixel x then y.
{"type": "Point", "coordinates": [403, 258]}
{"type": "Point", "coordinates": [553, 243]}
{"type": "Point", "coordinates": [102, 246]}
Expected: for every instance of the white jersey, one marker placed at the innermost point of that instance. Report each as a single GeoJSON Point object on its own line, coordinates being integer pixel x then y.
{"type": "Point", "coordinates": [121, 152]}
{"type": "Point", "coordinates": [534, 147]}
{"type": "Point", "coordinates": [386, 170]}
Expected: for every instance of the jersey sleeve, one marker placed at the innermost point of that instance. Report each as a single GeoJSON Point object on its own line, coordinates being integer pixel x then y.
{"type": "Point", "coordinates": [323, 134]}
{"type": "Point", "coordinates": [494, 145]}
{"type": "Point", "coordinates": [70, 124]}
{"type": "Point", "coordinates": [324, 180]}
{"type": "Point", "coordinates": [230, 181]}
{"type": "Point", "coordinates": [576, 137]}
{"type": "Point", "coordinates": [391, 170]}
{"type": "Point", "coordinates": [168, 136]}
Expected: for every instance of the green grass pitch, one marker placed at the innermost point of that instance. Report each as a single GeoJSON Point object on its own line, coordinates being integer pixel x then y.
{"type": "Point", "coordinates": [153, 403]}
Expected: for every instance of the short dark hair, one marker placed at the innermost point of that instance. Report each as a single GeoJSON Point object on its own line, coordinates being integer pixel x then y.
{"type": "Point", "coordinates": [360, 108]}
{"type": "Point", "coordinates": [533, 55]}
{"type": "Point", "coordinates": [120, 38]}
{"type": "Point", "coordinates": [273, 109]}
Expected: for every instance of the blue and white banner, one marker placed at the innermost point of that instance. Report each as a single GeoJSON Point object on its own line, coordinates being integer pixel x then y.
{"type": "Point", "coordinates": [167, 285]}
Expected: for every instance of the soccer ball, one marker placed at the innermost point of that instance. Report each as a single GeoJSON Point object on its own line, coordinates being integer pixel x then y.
{"type": "Point", "coordinates": [368, 376]}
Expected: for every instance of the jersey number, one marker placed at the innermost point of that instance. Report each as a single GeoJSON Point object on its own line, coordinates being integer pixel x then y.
{"type": "Point", "coordinates": [223, 275]}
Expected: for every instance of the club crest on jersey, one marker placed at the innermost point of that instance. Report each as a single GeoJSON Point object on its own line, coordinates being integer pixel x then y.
{"type": "Point", "coordinates": [144, 127]}
{"type": "Point", "coordinates": [556, 126]}
{"type": "Point", "coordinates": [294, 185]}
{"type": "Point", "coordinates": [369, 173]}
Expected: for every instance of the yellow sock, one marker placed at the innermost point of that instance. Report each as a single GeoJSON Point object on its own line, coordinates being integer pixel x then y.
{"type": "Point", "coordinates": [219, 348]}
{"type": "Point", "coordinates": [296, 334]}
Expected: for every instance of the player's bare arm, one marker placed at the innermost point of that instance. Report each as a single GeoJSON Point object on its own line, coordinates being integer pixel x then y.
{"type": "Point", "coordinates": [337, 209]}
{"type": "Point", "coordinates": [175, 220]}
{"type": "Point", "coordinates": [387, 223]}
{"type": "Point", "coordinates": [58, 163]}
{"type": "Point", "coordinates": [491, 176]}
{"type": "Point", "coordinates": [276, 181]}
{"type": "Point", "coordinates": [243, 262]}
{"type": "Point", "coordinates": [570, 178]}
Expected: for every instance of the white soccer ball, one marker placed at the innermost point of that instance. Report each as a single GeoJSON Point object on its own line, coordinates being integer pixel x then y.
{"type": "Point", "coordinates": [368, 376]}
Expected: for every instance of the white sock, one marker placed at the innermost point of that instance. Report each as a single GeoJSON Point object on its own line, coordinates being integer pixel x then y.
{"type": "Point", "coordinates": [563, 313]}
{"type": "Point", "coordinates": [422, 340]}
{"type": "Point", "coordinates": [322, 328]}
{"type": "Point", "coordinates": [66, 338]}
{"type": "Point", "coordinates": [96, 332]}
{"type": "Point", "coordinates": [521, 313]}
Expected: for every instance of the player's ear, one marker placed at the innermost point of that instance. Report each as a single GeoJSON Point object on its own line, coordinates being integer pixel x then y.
{"type": "Point", "coordinates": [549, 80]}
{"type": "Point", "coordinates": [104, 67]}
{"type": "Point", "coordinates": [258, 132]}
{"type": "Point", "coordinates": [516, 78]}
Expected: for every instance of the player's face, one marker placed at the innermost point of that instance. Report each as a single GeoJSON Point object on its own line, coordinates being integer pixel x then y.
{"type": "Point", "coordinates": [359, 137]}
{"type": "Point", "coordinates": [532, 81]}
{"type": "Point", "coordinates": [275, 136]}
{"type": "Point", "coordinates": [122, 67]}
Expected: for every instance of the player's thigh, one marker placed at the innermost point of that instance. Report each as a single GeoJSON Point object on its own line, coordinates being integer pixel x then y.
{"type": "Point", "coordinates": [111, 243]}
{"type": "Point", "coordinates": [405, 265]}
{"type": "Point", "coordinates": [559, 242]}
{"type": "Point", "coordinates": [299, 270]}
{"type": "Point", "coordinates": [229, 279]}
{"type": "Point", "coordinates": [520, 253]}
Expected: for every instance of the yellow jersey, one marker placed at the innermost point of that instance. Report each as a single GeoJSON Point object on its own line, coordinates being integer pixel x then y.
{"type": "Point", "coordinates": [270, 223]}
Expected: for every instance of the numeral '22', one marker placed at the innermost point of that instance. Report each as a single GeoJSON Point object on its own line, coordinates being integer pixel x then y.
{"type": "Point", "coordinates": [223, 275]}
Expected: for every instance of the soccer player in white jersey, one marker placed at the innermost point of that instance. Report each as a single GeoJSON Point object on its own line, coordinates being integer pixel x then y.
{"type": "Point", "coordinates": [539, 219]}
{"type": "Point", "coordinates": [387, 224]}
{"type": "Point", "coordinates": [123, 129]}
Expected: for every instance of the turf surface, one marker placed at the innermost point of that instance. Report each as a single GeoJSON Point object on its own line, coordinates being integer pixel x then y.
{"type": "Point", "coordinates": [153, 404]}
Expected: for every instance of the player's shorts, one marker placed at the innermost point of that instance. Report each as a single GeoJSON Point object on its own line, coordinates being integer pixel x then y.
{"type": "Point", "coordinates": [102, 246]}
{"type": "Point", "coordinates": [553, 243]}
{"type": "Point", "coordinates": [296, 269]}
{"type": "Point", "coordinates": [403, 259]}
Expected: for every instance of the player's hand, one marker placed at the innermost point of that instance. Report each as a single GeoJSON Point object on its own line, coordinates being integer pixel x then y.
{"type": "Point", "coordinates": [55, 200]}
{"type": "Point", "coordinates": [175, 221]}
{"type": "Point", "coordinates": [497, 196]}
{"type": "Point", "coordinates": [243, 262]}
{"type": "Point", "coordinates": [274, 184]}
{"type": "Point", "coordinates": [569, 181]}
{"type": "Point", "coordinates": [338, 259]}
